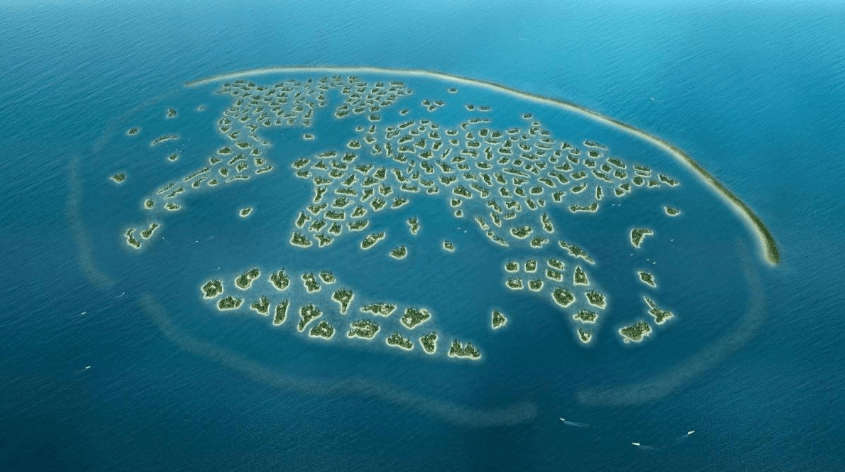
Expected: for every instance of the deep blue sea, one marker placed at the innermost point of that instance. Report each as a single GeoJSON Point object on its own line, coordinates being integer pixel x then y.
{"type": "Point", "coordinates": [754, 91]}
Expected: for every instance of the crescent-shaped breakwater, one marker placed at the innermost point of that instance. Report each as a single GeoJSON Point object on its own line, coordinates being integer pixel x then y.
{"type": "Point", "coordinates": [513, 414]}
{"type": "Point", "coordinates": [679, 376]}
{"type": "Point", "coordinates": [767, 241]}
{"type": "Point", "coordinates": [84, 245]}
{"type": "Point", "coordinates": [347, 188]}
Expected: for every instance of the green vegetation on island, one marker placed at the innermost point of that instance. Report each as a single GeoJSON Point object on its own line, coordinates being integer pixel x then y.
{"type": "Point", "coordinates": [647, 277]}
{"type": "Point", "coordinates": [400, 341]}
{"type": "Point", "coordinates": [363, 328]}
{"type": "Point", "coordinates": [575, 251]}
{"type": "Point", "coordinates": [671, 211]}
{"type": "Point", "coordinates": [281, 312]}
{"type": "Point", "coordinates": [514, 283]}
{"type": "Point", "coordinates": [585, 335]}
{"type": "Point", "coordinates": [164, 138]}
{"type": "Point", "coordinates": [668, 180]}
{"type": "Point", "coordinates": [512, 266]}
{"type": "Point", "coordinates": [562, 296]}
{"type": "Point", "coordinates": [586, 316]}
{"type": "Point", "coordinates": [531, 265]}
{"type": "Point", "coordinates": [298, 239]}
{"type": "Point", "coordinates": [334, 215]}
{"type": "Point", "coordinates": [556, 264]}
{"type": "Point", "coordinates": [130, 238]}
{"type": "Point", "coordinates": [380, 309]}
{"type": "Point", "coordinates": [212, 288]}
{"type": "Point", "coordinates": [119, 177]}
{"type": "Point", "coordinates": [245, 212]}
{"type": "Point", "coordinates": [498, 319]}
{"type": "Point", "coordinates": [399, 252]}
{"type": "Point", "coordinates": [414, 317]}
{"type": "Point", "coordinates": [521, 232]}
{"type": "Point", "coordinates": [580, 277]}
{"type": "Point", "coordinates": [466, 350]}
{"type": "Point", "coordinates": [343, 297]}
{"type": "Point", "coordinates": [147, 233]}
{"type": "Point", "coordinates": [555, 275]}
{"type": "Point", "coordinates": [280, 279]}
{"type": "Point", "coordinates": [302, 219]}
{"type": "Point", "coordinates": [309, 280]}
{"type": "Point", "coordinates": [414, 225]}
{"type": "Point", "coordinates": [262, 305]}
{"type": "Point", "coordinates": [447, 245]}
{"type": "Point", "coordinates": [591, 208]}
{"type": "Point", "coordinates": [322, 330]}
{"type": "Point", "coordinates": [638, 234]}
{"type": "Point", "coordinates": [244, 281]}
{"type": "Point", "coordinates": [635, 332]}
{"type": "Point", "coordinates": [428, 342]}
{"type": "Point", "coordinates": [660, 316]}
{"type": "Point", "coordinates": [327, 277]}
{"type": "Point", "coordinates": [358, 225]}
{"type": "Point", "coordinates": [229, 303]}
{"type": "Point", "coordinates": [538, 242]}
{"type": "Point", "coordinates": [372, 239]}
{"type": "Point", "coordinates": [307, 314]}
{"type": "Point", "coordinates": [596, 298]}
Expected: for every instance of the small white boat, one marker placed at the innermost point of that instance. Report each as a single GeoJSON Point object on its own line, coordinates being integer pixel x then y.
{"type": "Point", "coordinates": [563, 420]}
{"type": "Point", "coordinates": [690, 432]}
{"type": "Point", "coordinates": [635, 443]}
{"type": "Point", "coordinates": [87, 367]}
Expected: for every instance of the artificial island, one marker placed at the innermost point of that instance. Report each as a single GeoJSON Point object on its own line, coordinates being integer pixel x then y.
{"type": "Point", "coordinates": [512, 182]}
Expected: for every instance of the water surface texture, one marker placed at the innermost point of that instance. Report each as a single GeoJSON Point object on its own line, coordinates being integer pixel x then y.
{"type": "Point", "coordinates": [116, 358]}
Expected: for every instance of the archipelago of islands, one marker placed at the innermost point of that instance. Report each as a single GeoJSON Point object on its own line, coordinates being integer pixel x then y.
{"type": "Point", "coordinates": [519, 186]}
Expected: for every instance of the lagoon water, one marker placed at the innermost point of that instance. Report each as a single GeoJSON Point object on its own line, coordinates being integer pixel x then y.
{"type": "Point", "coordinates": [754, 93]}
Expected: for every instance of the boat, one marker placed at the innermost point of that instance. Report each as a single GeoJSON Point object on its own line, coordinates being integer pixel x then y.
{"type": "Point", "coordinates": [635, 443]}
{"type": "Point", "coordinates": [563, 420]}
{"type": "Point", "coordinates": [690, 432]}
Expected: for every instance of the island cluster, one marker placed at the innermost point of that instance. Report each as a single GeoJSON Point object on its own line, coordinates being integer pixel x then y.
{"type": "Point", "coordinates": [273, 296]}
{"type": "Point", "coordinates": [510, 181]}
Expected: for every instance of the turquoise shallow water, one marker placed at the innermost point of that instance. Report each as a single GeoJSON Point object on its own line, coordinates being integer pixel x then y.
{"type": "Point", "coordinates": [752, 93]}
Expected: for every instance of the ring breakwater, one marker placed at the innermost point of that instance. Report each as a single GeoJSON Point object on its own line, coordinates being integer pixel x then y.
{"type": "Point", "coordinates": [310, 175]}
{"type": "Point", "coordinates": [657, 387]}
{"type": "Point", "coordinates": [466, 416]}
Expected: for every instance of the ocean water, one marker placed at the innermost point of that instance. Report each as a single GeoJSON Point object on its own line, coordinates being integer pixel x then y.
{"type": "Point", "coordinates": [753, 92]}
